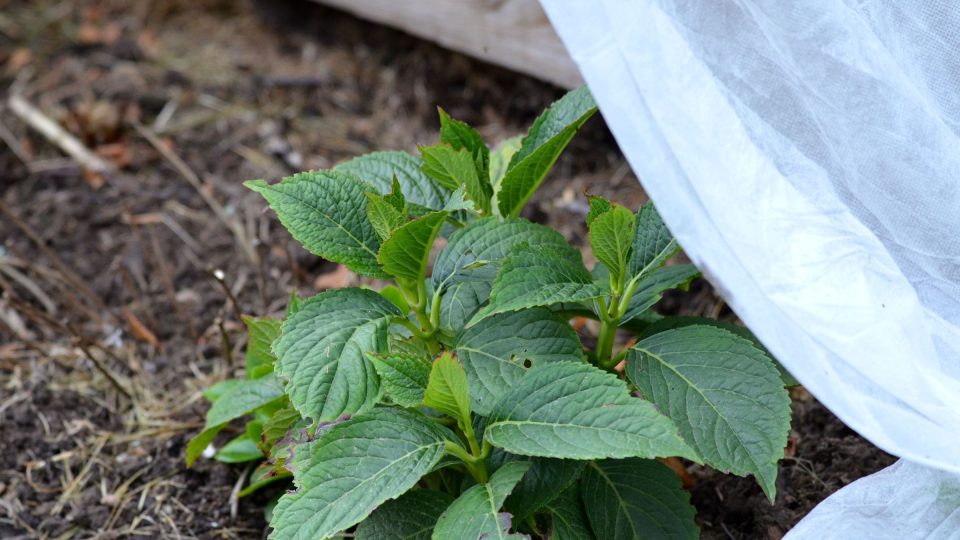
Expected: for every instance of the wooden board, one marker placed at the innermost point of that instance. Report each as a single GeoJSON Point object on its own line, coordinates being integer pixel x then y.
{"type": "Point", "coordinates": [511, 33]}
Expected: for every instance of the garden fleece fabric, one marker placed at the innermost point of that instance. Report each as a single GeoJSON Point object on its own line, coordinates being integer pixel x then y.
{"type": "Point", "coordinates": [806, 155]}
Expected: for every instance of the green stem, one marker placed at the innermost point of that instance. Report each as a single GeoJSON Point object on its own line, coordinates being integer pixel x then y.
{"type": "Point", "coordinates": [627, 296]}
{"type": "Point", "coordinates": [416, 296]}
{"type": "Point", "coordinates": [456, 450]}
{"type": "Point", "coordinates": [610, 316]}
{"type": "Point", "coordinates": [474, 463]}
{"type": "Point", "coordinates": [435, 310]}
{"type": "Point", "coordinates": [608, 330]}
{"type": "Point", "coordinates": [471, 437]}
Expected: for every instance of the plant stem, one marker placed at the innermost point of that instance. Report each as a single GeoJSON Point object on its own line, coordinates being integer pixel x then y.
{"type": "Point", "coordinates": [610, 317]}
{"type": "Point", "coordinates": [608, 330]}
{"type": "Point", "coordinates": [471, 438]}
{"type": "Point", "coordinates": [416, 296]}
{"type": "Point", "coordinates": [474, 463]}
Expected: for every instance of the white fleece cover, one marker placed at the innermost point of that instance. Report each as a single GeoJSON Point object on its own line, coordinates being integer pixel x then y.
{"type": "Point", "coordinates": [806, 156]}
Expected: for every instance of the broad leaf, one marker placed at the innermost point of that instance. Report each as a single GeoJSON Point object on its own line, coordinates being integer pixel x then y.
{"type": "Point", "coordinates": [239, 400]}
{"type": "Point", "coordinates": [403, 376]}
{"type": "Point", "coordinates": [404, 255]}
{"type": "Point", "coordinates": [326, 212]}
{"type": "Point", "coordinates": [652, 243]}
{"type": "Point", "coordinates": [261, 332]}
{"type": "Point", "coordinates": [669, 323]}
{"type": "Point", "coordinates": [447, 388]}
{"type": "Point", "coordinates": [576, 411]}
{"type": "Point", "coordinates": [352, 468]}
{"type": "Point", "coordinates": [544, 481]}
{"type": "Point", "coordinates": [411, 517]}
{"type": "Point", "coordinates": [383, 215]}
{"type": "Point", "coordinates": [243, 399]}
{"type": "Point", "coordinates": [454, 168]}
{"type": "Point", "coordinates": [723, 393]}
{"type": "Point", "coordinates": [460, 135]}
{"type": "Point", "coordinates": [611, 238]}
{"type": "Point", "coordinates": [395, 296]}
{"type": "Point", "coordinates": [213, 392]}
{"type": "Point", "coordinates": [239, 450]}
{"type": "Point", "coordinates": [598, 206]}
{"type": "Point", "coordinates": [475, 514]}
{"type": "Point", "coordinates": [541, 147]}
{"type": "Point", "coordinates": [500, 159]}
{"type": "Point", "coordinates": [466, 268]}
{"type": "Point", "coordinates": [321, 352]}
{"type": "Point", "coordinates": [569, 521]}
{"type": "Point", "coordinates": [496, 351]}
{"type": "Point", "coordinates": [538, 276]}
{"type": "Point", "coordinates": [264, 475]}
{"type": "Point", "coordinates": [649, 290]}
{"type": "Point", "coordinates": [276, 427]}
{"type": "Point", "coordinates": [635, 499]}
{"type": "Point", "coordinates": [379, 169]}
{"type": "Point", "coordinates": [458, 201]}
{"type": "Point", "coordinates": [293, 305]}
{"type": "Point", "coordinates": [249, 395]}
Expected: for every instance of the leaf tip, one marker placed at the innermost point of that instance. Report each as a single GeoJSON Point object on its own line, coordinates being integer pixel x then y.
{"type": "Point", "coordinates": [258, 185]}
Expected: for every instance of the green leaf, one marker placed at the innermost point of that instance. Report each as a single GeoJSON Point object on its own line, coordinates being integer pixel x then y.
{"type": "Point", "coordinates": [454, 168]}
{"type": "Point", "coordinates": [353, 467]}
{"type": "Point", "coordinates": [496, 351]}
{"type": "Point", "coordinates": [569, 518]}
{"type": "Point", "coordinates": [538, 276]}
{"type": "Point", "coordinates": [458, 201]}
{"type": "Point", "coordinates": [723, 393]}
{"type": "Point", "coordinates": [383, 216]}
{"type": "Point", "coordinates": [635, 499]}
{"type": "Point", "coordinates": [598, 206]}
{"type": "Point", "coordinates": [500, 159]}
{"type": "Point", "coordinates": [263, 475]}
{"type": "Point", "coordinates": [447, 389]}
{"type": "Point", "coordinates": [475, 514]}
{"type": "Point", "coordinates": [611, 237]}
{"type": "Point", "coordinates": [239, 400]}
{"type": "Point", "coordinates": [541, 147]}
{"type": "Point", "coordinates": [404, 255]}
{"type": "Point", "coordinates": [669, 323]}
{"type": "Point", "coordinates": [544, 481]}
{"type": "Point", "coordinates": [261, 332]}
{"type": "Point", "coordinates": [652, 243]}
{"type": "Point", "coordinates": [460, 135]}
{"type": "Point", "coordinates": [293, 305]}
{"type": "Point", "coordinates": [466, 268]}
{"type": "Point", "coordinates": [411, 517]}
{"type": "Point", "coordinates": [239, 450]}
{"type": "Point", "coordinates": [577, 411]}
{"type": "Point", "coordinates": [649, 290]}
{"type": "Point", "coordinates": [242, 399]}
{"type": "Point", "coordinates": [321, 352]}
{"type": "Point", "coordinates": [404, 376]}
{"type": "Point", "coordinates": [326, 212]}
{"type": "Point", "coordinates": [214, 391]}
{"type": "Point", "coordinates": [276, 427]}
{"type": "Point", "coordinates": [378, 169]}
{"type": "Point", "coordinates": [395, 296]}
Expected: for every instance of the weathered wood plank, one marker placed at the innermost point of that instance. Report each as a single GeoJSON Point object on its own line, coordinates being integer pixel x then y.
{"type": "Point", "coordinates": [512, 33]}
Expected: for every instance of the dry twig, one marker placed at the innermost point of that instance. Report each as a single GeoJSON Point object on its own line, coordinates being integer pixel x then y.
{"type": "Point", "coordinates": [52, 131]}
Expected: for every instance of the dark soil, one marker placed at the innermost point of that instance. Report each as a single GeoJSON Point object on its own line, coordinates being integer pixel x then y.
{"type": "Point", "coordinates": [116, 271]}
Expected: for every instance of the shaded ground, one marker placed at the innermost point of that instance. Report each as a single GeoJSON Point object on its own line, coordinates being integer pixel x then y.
{"type": "Point", "coordinates": [106, 283]}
